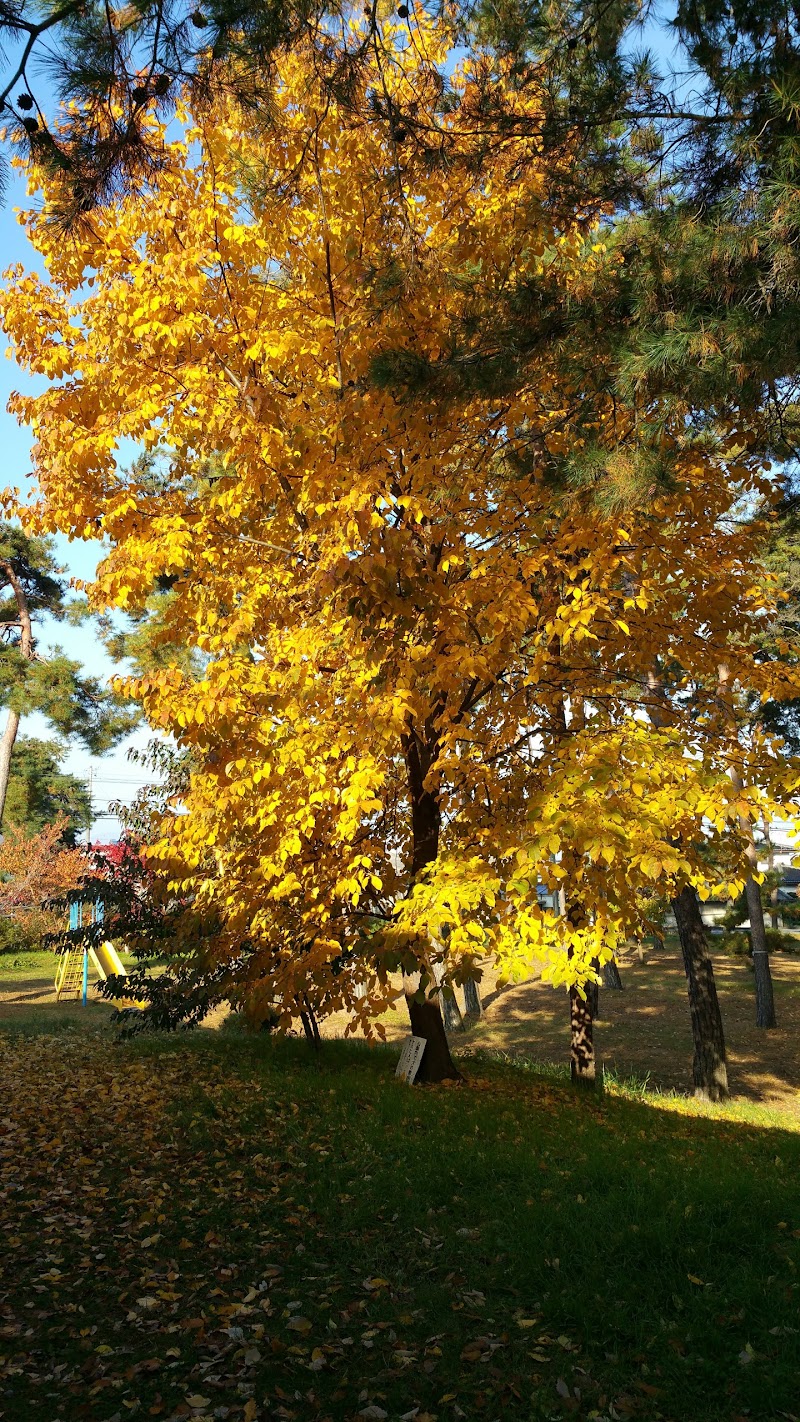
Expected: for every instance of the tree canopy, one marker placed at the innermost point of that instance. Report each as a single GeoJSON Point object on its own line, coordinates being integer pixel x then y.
{"type": "Point", "coordinates": [439, 633]}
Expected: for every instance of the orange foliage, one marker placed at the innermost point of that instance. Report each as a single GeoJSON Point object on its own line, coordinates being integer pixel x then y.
{"type": "Point", "coordinates": [34, 869]}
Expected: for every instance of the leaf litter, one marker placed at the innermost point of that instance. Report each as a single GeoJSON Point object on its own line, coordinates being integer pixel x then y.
{"type": "Point", "coordinates": [171, 1253]}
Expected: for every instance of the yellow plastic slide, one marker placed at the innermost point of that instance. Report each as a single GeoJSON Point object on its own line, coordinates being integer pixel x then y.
{"type": "Point", "coordinates": [107, 962]}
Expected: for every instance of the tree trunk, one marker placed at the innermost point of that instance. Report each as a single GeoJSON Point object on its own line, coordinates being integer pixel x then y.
{"type": "Point", "coordinates": [472, 999]}
{"type": "Point", "coordinates": [310, 1025]}
{"type": "Point", "coordinates": [710, 1071]}
{"type": "Point", "coordinates": [611, 975]}
{"type": "Point", "coordinates": [765, 1001]}
{"type": "Point", "coordinates": [710, 1068]}
{"type": "Point", "coordinates": [426, 1021]}
{"type": "Point", "coordinates": [420, 754]}
{"type": "Point", "coordinates": [453, 1021]}
{"type": "Point", "coordinates": [774, 908]}
{"type": "Point", "coordinates": [582, 1012]}
{"type": "Point", "coordinates": [26, 648]}
{"type": "Point", "coordinates": [581, 1022]}
{"type": "Point", "coordinates": [774, 911]}
{"type": "Point", "coordinates": [6, 747]}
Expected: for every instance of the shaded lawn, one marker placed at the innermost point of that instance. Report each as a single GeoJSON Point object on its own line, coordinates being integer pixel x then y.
{"type": "Point", "coordinates": [224, 1227]}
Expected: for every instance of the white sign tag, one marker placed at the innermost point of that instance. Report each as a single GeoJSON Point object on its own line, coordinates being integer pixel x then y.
{"type": "Point", "coordinates": [410, 1058]}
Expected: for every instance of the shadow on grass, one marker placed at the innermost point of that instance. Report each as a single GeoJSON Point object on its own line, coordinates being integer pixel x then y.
{"type": "Point", "coordinates": [302, 1230]}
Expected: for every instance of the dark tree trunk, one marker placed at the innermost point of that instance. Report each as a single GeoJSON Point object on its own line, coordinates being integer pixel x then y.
{"type": "Point", "coordinates": [710, 1068]}
{"type": "Point", "coordinates": [472, 999]}
{"type": "Point", "coordinates": [310, 1026]}
{"type": "Point", "coordinates": [426, 817]}
{"type": "Point", "coordinates": [426, 1018]}
{"type": "Point", "coordinates": [426, 1021]}
{"type": "Point", "coordinates": [611, 977]}
{"type": "Point", "coordinates": [765, 1001]}
{"type": "Point", "coordinates": [581, 1022]}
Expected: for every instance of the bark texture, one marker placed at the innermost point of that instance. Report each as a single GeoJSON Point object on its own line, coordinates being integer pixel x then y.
{"type": "Point", "coordinates": [6, 748]}
{"type": "Point", "coordinates": [581, 1023]}
{"type": "Point", "coordinates": [420, 750]}
{"type": "Point", "coordinates": [472, 999]}
{"type": "Point", "coordinates": [26, 648]}
{"type": "Point", "coordinates": [582, 1013]}
{"type": "Point", "coordinates": [611, 975]}
{"type": "Point", "coordinates": [710, 1070]}
{"type": "Point", "coordinates": [765, 998]}
{"type": "Point", "coordinates": [453, 1021]}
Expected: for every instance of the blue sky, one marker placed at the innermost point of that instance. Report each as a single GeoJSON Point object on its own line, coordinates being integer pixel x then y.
{"type": "Point", "coordinates": [114, 777]}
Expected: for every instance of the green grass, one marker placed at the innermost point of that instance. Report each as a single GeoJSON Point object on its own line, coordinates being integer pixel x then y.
{"type": "Point", "coordinates": [26, 963]}
{"type": "Point", "coordinates": [37, 965]}
{"type": "Point", "coordinates": [500, 1249]}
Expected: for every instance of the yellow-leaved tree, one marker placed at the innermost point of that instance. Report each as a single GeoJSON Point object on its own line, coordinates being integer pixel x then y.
{"type": "Point", "coordinates": [428, 655]}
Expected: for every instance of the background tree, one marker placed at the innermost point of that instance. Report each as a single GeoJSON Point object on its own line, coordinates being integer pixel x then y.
{"type": "Point", "coordinates": [39, 791]}
{"type": "Point", "coordinates": [34, 869]}
{"type": "Point", "coordinates": [74, 704]}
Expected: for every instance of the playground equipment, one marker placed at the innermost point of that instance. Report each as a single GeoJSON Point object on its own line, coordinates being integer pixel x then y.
{"type": "Point", "coordinates": [72, 973]}
{"type": "Point", "coordinates": [73, 969]}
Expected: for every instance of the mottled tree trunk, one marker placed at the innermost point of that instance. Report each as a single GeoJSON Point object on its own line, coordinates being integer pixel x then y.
{"type": "Point", "coordinates": [472, 999]}
{"type": "Point", "coordinates": [582, 1012]}
{"type": "Point", "coordinates": [453, 1021]}
{"type": "Point", "coordinates": [424, 1013]}
{"type": "Point", "coordinates": [611, 975]}
{"type": "Point", "coordinates": [581, 1024]}
{"type": "Point", "coordinates": [710, 1068]}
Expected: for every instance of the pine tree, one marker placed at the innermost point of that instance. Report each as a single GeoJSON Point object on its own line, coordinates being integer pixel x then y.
{"type": "Point", "coordinates": [73, 703]}
{"type": "Point", "coordinates": [39, 791]}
